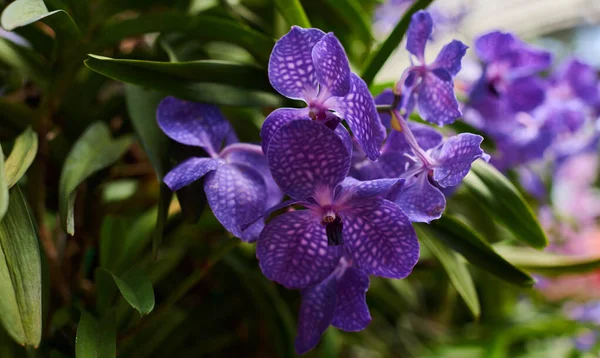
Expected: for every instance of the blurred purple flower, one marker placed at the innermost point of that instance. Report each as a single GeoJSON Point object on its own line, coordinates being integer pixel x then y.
{"type": "Point", "coordinates": [430, 86]}
{"type": "Point", "coordinates": [309, 65]}
{"type": "Point", "coordinates": [339, 300]}
{"type": "Point", "coordinates": [237, 180]}
{"type": "Point", "coordinates": [508, 84]}
{"type": "Point", "coordinates": [343, 217]}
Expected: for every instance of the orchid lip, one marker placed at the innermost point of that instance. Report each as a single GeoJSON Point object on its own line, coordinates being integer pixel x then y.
{"type": "Point", "coordinates": [334, 231]}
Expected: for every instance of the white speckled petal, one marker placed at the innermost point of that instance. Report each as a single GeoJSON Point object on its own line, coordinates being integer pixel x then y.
{"type": "Point", "coordinates": [305, 156]}
{"type": "Point", "coordinates": [332, 67]}
{"type": "Point", "coordinates": [191, 123]}
{"type": "Point", "coordinates": [359, 110]}
{"type": "Point", "coordinates": [379, 237]}
{"type": "Point", "coordinates": [189, 171]}
{"type": "Point", "coordinates": [351, 312]}
{"type": "Point", "coordinates": [437, 101]}
{"type": "Point", "coordinates": [235, 194]}
{"type": "Point", "coordinates": [421, 201]}
{"type": "Point", "coordinates": [291, 68]}
{"type": "Point", "coordinates": [315, 315]}
{"type": "Point", "coordinates": [276, 119]}
{"type": "Point", "coordinates": [455, 157]}
{"type": "Point", "coordinates": [292, 250]}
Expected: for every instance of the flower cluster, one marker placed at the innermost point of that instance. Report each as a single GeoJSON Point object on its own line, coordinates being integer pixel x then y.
{"type": "Point", "coordinates": [353, 194]}
{"type": "Point", "coordinates": [544, 122]}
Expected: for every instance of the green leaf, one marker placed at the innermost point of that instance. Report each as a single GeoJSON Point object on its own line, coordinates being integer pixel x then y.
{"type": "Point", "coordinates": [546, 263]}
{"type": "Point", "coordinates": [96, 339]}
{"type": "Point", "coordinates": [455, 268]}
{"type": "Point", "coordinates": [3, 186]}
{"type": "Point", "coordinates": [142, 105]}
{"type": "Point", "coordinates": [206, 28]}
{"type": "Point", "coordinates": [28, 63]}
{"type": "Point", "coordinates": [25, 12]}
{"type": "Point", "coordinates": [505, 203]}
{"type": "Point", "coordinates": [477, 251]}
{"type": "Point", "coordinates": [21, 156]}
{"type": "Point", "coordinates": [293, 12]}
{"type": "Point", "coordinates": [112, 235]}
{"type": "Point", "coordinates": [211, 71]}
{"type": "Point", "coordinates": [20, 273]}
{"type": "Point", "coordinates": [355, 16]}
{"type": "Point", "coordinates": [190, 80]}
{"type": "Point", "coordinates": [136, 288]}
{"type": "Point", "coordinates": [383, 52]}
{"type": "Point", "coordinates": [93, 151]}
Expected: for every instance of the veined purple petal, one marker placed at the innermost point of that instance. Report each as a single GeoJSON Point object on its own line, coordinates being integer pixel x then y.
{"type": "Point", "coordinates": [454, 158]}
{"type": "Point", "coordinates": [370, 188]}
{"type": "Point", "coordinates": [264, 215]}
{"type": "Point", "coordinates": [252, 232]}
{"type": "Point", "coordinates": [305, 156]}
{"type": "Point", "coordinates": [190, 123]}
{"type": "Point", "coordinates": [316, 312]}
{"type": "Point", "coordinates": [419, 31]}
{"type": "Point", "coordinates": [526, 93]}
{"type": "Point", "coordinates": [235, 194]}
{"type": "Point", "coordinates": [276, 119]}
{"type": "Point", "coordinates": [437, 102]}
{"type": "Point", "coordinates": [351, 312]}
{"type": "Point", "coordinates": [291, 68]}
{"type": "Point", "coordinates": [252, 156]}
{"type": "Point", "coordinates": [292, 250]}
{"type": "Point", "coordinates": [421, 201]}
{"type": "Point", "coordinates": [380, 238]}
{"type": "Point", "coordinates": [389, 165]}
{"type": "Point", "coordinates": [359, 110]}
{"type": "Point", "coordinates": [346, 138]}
{"type": "Point", "coordinates": [450, 56]}
{"type": "Point", "coordinates": [189, 171]}
{"type": "Point", "coordinates": [427, 138]}
{"type": "Point", "coordinates": [332, 67]}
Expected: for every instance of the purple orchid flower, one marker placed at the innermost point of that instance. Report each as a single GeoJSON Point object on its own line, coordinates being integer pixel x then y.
{"type": "Point", "coordinates": [340, 300]}
{"type": "Point", "coordinates": [309, 65]}
{"type": "Point", "coordinates": [419, 155]}
{"type": "Point", "coordinates": [343, 217]}
{"type": "Point", "coordinates": [431, 86]}
{"type": "Point", "coordinates": [237, 181]}
{"type": "Point", "coordinates": [508, 83]}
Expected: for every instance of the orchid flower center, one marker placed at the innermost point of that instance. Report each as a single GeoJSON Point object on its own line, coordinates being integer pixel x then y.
{"type": "Point", "coordinates": [317, 111]}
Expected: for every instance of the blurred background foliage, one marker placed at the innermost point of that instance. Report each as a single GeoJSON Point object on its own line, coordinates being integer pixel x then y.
{"type": "Point", "coordinates": [126, 268]}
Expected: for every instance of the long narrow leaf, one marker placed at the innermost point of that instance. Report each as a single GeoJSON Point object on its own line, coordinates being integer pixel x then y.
{"type": "Point", "coordinates": [184, 88]}
{"type": "Point", "coordinates": [93, 151]}
{"type": "Point", "coordinates": [455, 268]}
{"type": "Point", "coordinates": [505, 203]}
{"type": "Point", "coordinates": [547, 263]}
{"type": "Point", "coordinates": [209, 71]}
{"type": "Point", "coordinates": [293, 12]}
{"type": "Point", "coordinates": [21, 156]}
{"type": "Point", "coordinates": [20, 273]}
{"type": "Point", "coordinates": [208, 28]}
{"type": "Point", "coordinates": [355, 16]}
{"type": "Point", "coordinates": [477, 251]}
